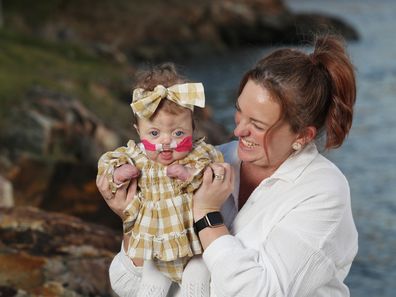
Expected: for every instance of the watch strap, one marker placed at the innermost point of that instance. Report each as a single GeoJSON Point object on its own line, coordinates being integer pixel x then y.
{"type": "Point", "coordinates": [211, 220]}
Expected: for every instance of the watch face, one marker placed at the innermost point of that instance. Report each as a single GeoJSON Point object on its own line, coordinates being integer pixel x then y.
{"type": "Point", "coordinates": [215, 218]}
{"type": "Point", "coordinates": [211, 219]}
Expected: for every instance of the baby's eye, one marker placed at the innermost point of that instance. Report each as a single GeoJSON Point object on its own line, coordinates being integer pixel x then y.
{"type": "Point", "coordinates": [179, 133]}
{"type": "Point", "coordinates": [154, 133]}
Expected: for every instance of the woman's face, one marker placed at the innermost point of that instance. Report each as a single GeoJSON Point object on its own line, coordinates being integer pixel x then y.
{"type": "Point", "coordinates": [256, 113]}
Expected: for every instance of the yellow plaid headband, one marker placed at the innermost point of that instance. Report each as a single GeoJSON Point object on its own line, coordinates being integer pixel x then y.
{"type": "Point", "coordinates": [144, 103]}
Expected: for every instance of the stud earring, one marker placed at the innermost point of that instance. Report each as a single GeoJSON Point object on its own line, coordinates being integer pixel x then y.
{"type": "Point", "coordinates": [296, 146]}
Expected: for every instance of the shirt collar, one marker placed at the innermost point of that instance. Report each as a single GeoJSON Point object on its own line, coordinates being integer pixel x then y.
{"type": "Point", "coordinates": [230, 153]}
{"type": "Point", "coordinates": [293, 167]}
{"type": "Point", "coordinates": [289, 171]}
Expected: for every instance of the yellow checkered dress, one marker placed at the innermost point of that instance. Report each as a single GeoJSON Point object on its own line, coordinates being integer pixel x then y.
{"type": "Point", "coordinates": [159, 219]}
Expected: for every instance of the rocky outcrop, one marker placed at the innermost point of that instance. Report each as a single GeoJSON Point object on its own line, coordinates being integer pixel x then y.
{"type": "Point", "coordinates": [188, 27]}
{"type": "Point", "coordinates": [50, 158]}
{"type": "Point", "coordinates": [58, 126]}
{"type": "Point", "coordinates": [267, 22]}
{"type": "Point", "coordinates": [6, 195]}
{"type": "Point", "coordinates": [52, 254]}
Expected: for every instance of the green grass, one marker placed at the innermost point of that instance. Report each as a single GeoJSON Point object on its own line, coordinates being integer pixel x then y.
{"type": "Point", "coordinates": [26, 62]}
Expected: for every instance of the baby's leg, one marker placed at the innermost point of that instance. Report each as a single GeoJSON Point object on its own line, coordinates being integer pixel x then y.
{"type": "Point", "coordinates": [178, 171]}
{"type": "Point", "coordinates": [125, 173]}
{"type": "Point", "coordinates": [154, 283]}
{"type": "Point", "coordinates": [196, 278]}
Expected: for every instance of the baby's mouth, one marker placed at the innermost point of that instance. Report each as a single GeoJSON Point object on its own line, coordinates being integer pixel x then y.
{"type": "Point", "coordinates": [167, 155]}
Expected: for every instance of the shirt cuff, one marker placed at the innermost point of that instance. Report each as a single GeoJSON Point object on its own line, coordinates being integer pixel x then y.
{"type": "Point", "coordinates": [218, 248]}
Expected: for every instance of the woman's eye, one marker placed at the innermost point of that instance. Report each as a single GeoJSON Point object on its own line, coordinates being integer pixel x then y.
{"type": "Point", "coordinates": [154, 133]}
{"type": "Point", "coordinates": [258, 127]}
{"type": "Point", "coordinates": [179, 133]}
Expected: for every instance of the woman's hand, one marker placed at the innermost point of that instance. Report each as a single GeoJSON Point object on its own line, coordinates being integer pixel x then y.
{"type": "Point", "coordinates": [217, 185]}
{"type": "Point", "coordinates": [122, 197]}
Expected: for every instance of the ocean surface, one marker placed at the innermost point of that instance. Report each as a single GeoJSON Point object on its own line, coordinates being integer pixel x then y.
{"type": "Point", "coordinates": [368, 157]}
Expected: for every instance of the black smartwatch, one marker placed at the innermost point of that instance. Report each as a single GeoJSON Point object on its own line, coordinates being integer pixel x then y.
{"type": "Point", "coordinates": [211, 220]}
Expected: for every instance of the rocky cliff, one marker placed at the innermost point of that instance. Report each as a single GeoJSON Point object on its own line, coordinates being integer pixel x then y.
{"type": "Point", "coordinates": [139, 29]}
{"type": "Point", "coordinates": [52, 254]}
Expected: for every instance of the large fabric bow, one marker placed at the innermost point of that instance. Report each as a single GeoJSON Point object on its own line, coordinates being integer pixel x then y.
{"type": "Point", "coordinates": [144, 103]}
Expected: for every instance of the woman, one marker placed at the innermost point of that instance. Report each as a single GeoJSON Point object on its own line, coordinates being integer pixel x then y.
{"type": "Point", "coordinates": [288, 228]}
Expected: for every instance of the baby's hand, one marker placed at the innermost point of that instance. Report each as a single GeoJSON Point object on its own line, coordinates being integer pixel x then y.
{"type": "Point", "coordinates": [178, 171]}
{"type": "Point", "coordinates": [125, 173]}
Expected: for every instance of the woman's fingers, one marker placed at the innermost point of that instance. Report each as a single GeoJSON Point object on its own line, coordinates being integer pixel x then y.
{"type": "Point", "coordinates": [218, 172]}
{"type": "Point", "coordinates": [222, 172]}
{"type": "Point", "coordinates": [228, 172]}
{"type": "Point", "coordinates": [121, 193]}
{"type": "Point", "coordinates": [218, 183]}
{"type": "Point", "coordinates": [119, 200]}
{"type": "Point", "coordinates": [103, 187]}
{"type": "Point", "coordinates": [207, 176]}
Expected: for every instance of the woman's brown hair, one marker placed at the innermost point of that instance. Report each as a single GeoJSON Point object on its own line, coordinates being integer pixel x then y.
{"type": "Point", "coordinates": [316, 89]}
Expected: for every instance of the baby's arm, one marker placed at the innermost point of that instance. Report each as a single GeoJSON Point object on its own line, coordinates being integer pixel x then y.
{"type": "Point", "coordinates": [179, 171]}
{"type": "Point", "coordinates": [125, 173]}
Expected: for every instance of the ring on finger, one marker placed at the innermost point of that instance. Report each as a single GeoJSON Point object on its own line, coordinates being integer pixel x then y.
{"type": "Point", "coordinates": [219, 176]}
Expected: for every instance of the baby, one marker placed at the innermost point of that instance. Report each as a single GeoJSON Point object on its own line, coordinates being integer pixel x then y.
{"type": "Point", "coordinates": [169, 167]}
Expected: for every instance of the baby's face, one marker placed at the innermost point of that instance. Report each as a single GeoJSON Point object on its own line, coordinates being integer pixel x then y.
{"type": "Point", "coordinates": [163, 129]}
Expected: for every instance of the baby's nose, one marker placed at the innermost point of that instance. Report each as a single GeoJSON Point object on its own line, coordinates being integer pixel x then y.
{"type": "Point", "coordinates": [166, 139]}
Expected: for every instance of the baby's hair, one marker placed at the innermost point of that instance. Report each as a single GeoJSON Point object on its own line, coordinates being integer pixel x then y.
{"type": "Point", "coordinates": [164, 74]}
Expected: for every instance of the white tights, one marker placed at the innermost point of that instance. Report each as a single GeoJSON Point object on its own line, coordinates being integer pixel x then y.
{"type": "Point", "coordinates": [195, 280]}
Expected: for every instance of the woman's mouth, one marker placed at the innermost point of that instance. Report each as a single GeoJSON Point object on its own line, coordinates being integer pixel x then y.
{"type": "Point", "coordinates": [247, 143]}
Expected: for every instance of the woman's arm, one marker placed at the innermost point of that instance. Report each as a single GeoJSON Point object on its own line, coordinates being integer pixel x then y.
{"type": "Point", "coordinates": [309, 246]}
{"type": "Point", "coordinates": [210, 197]}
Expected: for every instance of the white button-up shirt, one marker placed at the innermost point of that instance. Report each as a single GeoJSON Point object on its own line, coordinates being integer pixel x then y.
{"type": "Point", "coordinates": [295, 235]}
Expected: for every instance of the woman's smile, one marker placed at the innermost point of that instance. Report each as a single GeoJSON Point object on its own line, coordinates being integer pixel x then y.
{"type": "Point", "coordinates": [247, 144]}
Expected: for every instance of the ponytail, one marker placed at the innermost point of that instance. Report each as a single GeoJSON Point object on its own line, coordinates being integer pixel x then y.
{"type": "Point", "coordinates": [330, 54]}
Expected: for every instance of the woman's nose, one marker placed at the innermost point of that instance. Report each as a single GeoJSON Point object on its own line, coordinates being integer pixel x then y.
{"type": "Point", "coordinates": [241, 129]}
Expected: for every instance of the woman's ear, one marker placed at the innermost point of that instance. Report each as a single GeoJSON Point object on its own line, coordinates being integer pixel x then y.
{"type": "Point", "coordinates": [307, 135]}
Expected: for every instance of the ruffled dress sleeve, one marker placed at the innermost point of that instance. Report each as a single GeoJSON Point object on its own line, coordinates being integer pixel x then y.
{"type": "Point", "coordinates": [109, 161]}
